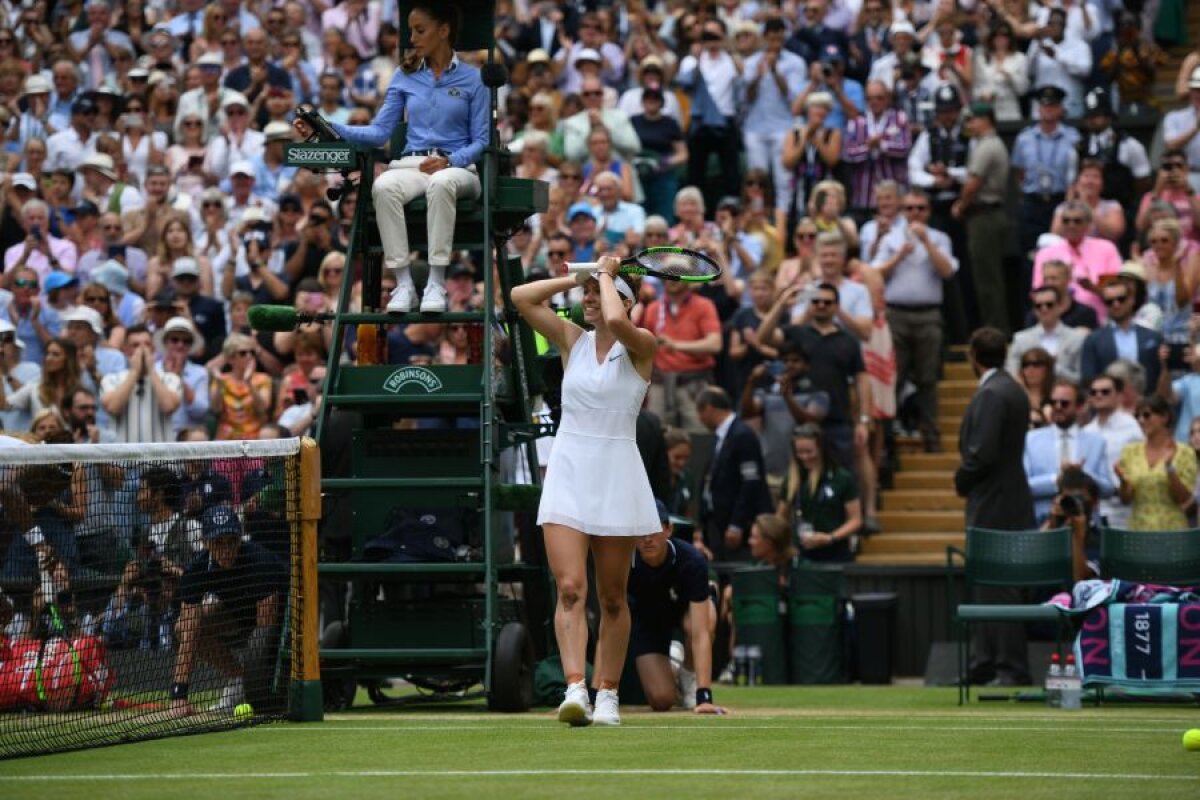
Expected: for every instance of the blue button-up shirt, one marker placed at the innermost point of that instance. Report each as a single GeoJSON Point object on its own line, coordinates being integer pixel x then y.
{"type": "Point", "coordinates": [450, 113]}
{"type": "Point", "coordinates": [1048, 161]}
{"type": "Point", "coordinates": [1126, 342]}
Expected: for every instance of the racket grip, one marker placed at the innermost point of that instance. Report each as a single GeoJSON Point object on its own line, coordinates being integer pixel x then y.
{"type": "Point", "coordinates": [583, 266]}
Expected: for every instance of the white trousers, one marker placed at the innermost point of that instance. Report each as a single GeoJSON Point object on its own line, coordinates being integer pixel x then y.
{"type": "Point", "coordinates": [765, 151]}
{"type": "Point", "coordinates": [403, 181]}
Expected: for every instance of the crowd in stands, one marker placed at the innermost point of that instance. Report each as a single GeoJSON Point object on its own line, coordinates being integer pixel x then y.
{"type": "Point", "coordinates": [842, 160]}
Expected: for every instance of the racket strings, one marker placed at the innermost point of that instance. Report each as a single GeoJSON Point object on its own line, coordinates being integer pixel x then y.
{"type": "Point", "coordinates": [672, 261]}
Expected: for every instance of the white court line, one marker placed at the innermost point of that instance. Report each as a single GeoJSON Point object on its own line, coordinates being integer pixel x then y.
{"type": "Point", "coordinates": [1080, 718]}
{"type": "Point", "coordinates": [607, 773]}
{"type": "Point", "coordinates": [721, 727]}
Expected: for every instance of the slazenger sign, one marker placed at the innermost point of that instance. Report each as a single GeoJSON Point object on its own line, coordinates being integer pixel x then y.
{"type": "Point", "coordinates": [319, 155]}
{"type": "Point", "coordinates": [404, 376]}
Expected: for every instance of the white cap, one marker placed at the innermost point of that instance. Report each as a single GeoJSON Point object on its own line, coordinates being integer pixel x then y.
{"type": "Point", "coordinates": [25, 180]}
{"type": "Point", "coordinates": [90, 316]}
{"type": "Point", "coordinates": [242, 167]}
{"type": "Point", "coordinates": [537, 56]}
{"type": "Point", "coordinates": [180, 325]}
{"type": "Point", "coordinates": [7, 327]}
{"type": "Point", "coordinates": [278, 131]}
{"type": "Point", "coordinates": [1194, 80]}
{"type": "Point", "coordinates": [36, 84]}
{"type": "Point", "coordinates": [185, 265]}
{"type": "Point", "coordinates": [214, 59]}
{"type": "Point", "coordinates": [902, 26]}
{"type": "Point", "coordinates": [102, 163]}
{"type": "Point", "coordinates": [588, 54]}
{"type": "Point", "coordinates": [235, 99]}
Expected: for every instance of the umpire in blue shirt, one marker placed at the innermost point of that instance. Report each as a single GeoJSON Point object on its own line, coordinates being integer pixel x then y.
{"type": "Point", "coordinates": [448, 126]}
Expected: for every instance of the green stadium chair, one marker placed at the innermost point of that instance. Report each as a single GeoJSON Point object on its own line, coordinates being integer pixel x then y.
{"type": "Point", "coordinates": [1018, 559]}
{"type": "Point", "coordinates": [1166, 557]}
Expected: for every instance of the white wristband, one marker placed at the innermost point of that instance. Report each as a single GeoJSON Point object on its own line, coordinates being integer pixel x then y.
{"type": "Point", "coordinates": [34, 536]}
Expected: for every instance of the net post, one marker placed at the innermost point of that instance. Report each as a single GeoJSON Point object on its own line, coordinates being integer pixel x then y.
{"type": "Point", "coordinates": [307, 704]}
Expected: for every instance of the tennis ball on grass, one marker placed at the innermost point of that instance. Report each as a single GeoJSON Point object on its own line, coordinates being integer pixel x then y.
{"type": "Point", "coordinates": [1191, 739]}
{"type": "Point", "coordinates": [244, 711]}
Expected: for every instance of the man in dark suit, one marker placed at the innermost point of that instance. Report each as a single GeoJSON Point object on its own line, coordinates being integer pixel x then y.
{"type": "Point", "coordinates": [992, 478]}
{"type": "Point", "coordinates": [550, 24]}
{"type": "Point", "coordinates": [1121, 337]}
{"type": "Point", "coordinates": [735, 486]}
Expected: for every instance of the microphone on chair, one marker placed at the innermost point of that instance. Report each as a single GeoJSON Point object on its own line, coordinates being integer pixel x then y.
{"type": "Point", "coordinates": [282, 319]}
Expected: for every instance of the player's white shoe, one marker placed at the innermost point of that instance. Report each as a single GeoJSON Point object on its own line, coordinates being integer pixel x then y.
{"type": "Point", "coordinates": [607, 711]}
{"type": "Point", "coordinates": [233, 695]}
{"type": "Point", "coordinates": [575, 710]}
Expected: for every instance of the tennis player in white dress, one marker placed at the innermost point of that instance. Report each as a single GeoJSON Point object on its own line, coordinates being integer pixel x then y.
{"type": "Point", "coordinates": [596, 495]}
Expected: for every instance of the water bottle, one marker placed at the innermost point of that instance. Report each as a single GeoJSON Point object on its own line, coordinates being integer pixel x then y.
{"type": "Point", "coordinates": [741, 667]}
{"type": "Point", "coordinates": [1072, 686]}
{"type": "Point", "coordinates": [1054, 682]}
{"type": "Point", "coordinates": [754, 657]}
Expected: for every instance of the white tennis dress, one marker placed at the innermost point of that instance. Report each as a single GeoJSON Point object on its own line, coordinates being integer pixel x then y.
{"type": "Point", "coordinates": [595, 481]}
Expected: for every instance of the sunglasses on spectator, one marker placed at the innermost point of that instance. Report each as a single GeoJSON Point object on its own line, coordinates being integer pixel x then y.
{"type": "Point", "coordinates": [1100, 392]}
{"type": "Point", "coordinates": [1044, 306]}
{"type": "Point", "coordinates": [558, 253]}
{"type": "Point", "coordinates": [755, 185]}
{"type": "Point", "coordinates": [1062, 403]}
{"type": "Point", "coordinates": [318, 219]}
{"type": "Point", "coordinates": [211, 204]}
{"type": "Point", "coordinates": [592, 93]}
{"type": "Point", "coordinates": [1112, 301]}
{"type": "Point", "coordinates": [192, 123]}
{"type": "Point", "coordinates": [821, 301]}
{"type": "Point", "coordinates": [333, 271]}
{"type": "Point", "coordinates": [572, 176]}
{"type": "Point", "coordinates": [1162, 240]}
{"type": "Point", "coordinates": [235, 112]}
{"type": "Point", "coordinates": [25, 283]}
{"type": "Point", "coordinates": [656, 233]}
{"type": "Point", "coordinates": [806, 236]}
{"type": "Point", "coordinates": [177, 340]}
{"type": "Point", "coordinates": [1144, 415]}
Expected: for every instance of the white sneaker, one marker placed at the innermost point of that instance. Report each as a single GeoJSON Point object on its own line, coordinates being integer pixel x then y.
{"type": "Point", "coordinates": [232, 696]}
{"type": "Point", "coordinates": [575, 710]}
{"type": "Point", "coordinates": [685, 680]}
{"type": "Point", "coordinates": [607, 712]}
{"type": "Point", "coordinates": [402, 301]}
{"type": "Point", "coordinates": [434, 299]}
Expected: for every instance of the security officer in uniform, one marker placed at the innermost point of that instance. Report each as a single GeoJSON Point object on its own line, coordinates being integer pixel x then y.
{"type": "Point", "coordinates": [980, 207]}
{"type": "Point", "coordinates": [1127, 170]}
{"type": "Point", "coordinates": [938, 164]}
{"type": "Point", "coordinates": [1044, 160]}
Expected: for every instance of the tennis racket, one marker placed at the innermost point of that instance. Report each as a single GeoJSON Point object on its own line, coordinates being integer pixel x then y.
{"type": "Point", "coordinates": [665, 263]}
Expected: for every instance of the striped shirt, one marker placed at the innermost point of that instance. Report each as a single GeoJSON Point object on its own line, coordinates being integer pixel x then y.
{"type": "Point", "coordinates": [142, 421]}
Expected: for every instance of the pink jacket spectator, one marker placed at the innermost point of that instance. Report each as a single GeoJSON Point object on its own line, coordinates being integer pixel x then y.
{"type": "Point", "coordinates": [1092, 260]}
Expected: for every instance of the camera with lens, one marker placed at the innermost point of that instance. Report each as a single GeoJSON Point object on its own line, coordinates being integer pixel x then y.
{"type": "Point", "coordinates": [1072, 505]}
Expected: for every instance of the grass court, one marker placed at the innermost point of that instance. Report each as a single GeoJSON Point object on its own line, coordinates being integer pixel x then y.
{"type": "Point", "coordinates": [778, 742]}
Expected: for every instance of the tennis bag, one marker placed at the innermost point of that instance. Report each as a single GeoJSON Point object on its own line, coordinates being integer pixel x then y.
{"type": "Point", "coordinates": [421, 536]}
{"type": "Point", "coordinates": [56, 673]}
